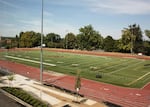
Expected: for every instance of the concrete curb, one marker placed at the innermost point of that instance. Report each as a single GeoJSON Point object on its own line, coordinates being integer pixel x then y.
{"type": "Point", "coordinates": [15, 98]}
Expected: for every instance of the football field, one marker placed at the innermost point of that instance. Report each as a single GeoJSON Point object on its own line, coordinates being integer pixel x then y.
{"type": "Point", "coordinates": [129, 72]}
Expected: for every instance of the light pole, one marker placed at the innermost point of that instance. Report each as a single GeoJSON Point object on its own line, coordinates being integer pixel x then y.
{"type": "Point", "coordinates": [41, 52]}
{"type": "Point", "coordinates": [131, 39]}
{"type": "Point", "coordinates": [0, 42]}
{"type": "Point", "coordinates": [66, 39]}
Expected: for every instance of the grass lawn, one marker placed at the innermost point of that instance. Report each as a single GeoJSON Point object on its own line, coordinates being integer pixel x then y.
{"type": "Point", "coordinates": [127, 72]}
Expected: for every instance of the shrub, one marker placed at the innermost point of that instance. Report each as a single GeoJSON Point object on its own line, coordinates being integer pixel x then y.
{"type": "Point", "coordinates": [21, 94]}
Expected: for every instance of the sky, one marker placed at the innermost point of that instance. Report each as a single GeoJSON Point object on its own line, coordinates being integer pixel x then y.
{"type": "Point", "coordinates": [108, 17]}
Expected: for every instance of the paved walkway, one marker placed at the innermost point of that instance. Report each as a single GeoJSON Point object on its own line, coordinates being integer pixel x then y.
{"type": "Point", "coordinates": [42, 92]}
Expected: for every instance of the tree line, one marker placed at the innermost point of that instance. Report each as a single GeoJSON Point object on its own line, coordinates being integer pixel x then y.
{"type": "Point", "coordinates": [131, 40]}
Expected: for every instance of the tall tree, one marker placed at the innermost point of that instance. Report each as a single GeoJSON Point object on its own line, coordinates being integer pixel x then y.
{"type": "Point", "coordinates": [131, 39]}
{"type": "Point", "coordinates": [36, 40]}
{"type": "Point", "coordinates": [70, 41]}
{"type": "Point", "coordinates": [147, 33]}
{"type": "Point", "coordinates": [52, 40]}
{"type": "Point", "coordinates": [109, 44]}
{"type": "Point", "coordinates": [29, 39]}
{"type": "Point", "coordinates": [125, 41]}
{"type": "Point", "coordinates": [88, 38]}
{"type": "Point", "coordinates": [17, 41]}
{"type": "Point", "coordinates": [136, 38]}
{"type": "Point", "coordinates": [147, 43]}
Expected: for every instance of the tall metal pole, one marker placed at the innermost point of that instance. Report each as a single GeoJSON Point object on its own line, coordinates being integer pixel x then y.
{"type": "Point", "coordinates": [41, 53]}
{"type": "Point", "coordinates": [131, 40]}
{"type": "Point", "coordinates": [66, 39]}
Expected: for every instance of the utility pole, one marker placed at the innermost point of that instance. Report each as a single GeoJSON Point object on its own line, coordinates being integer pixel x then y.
{"type": "Point", "coordinates": [41, 52]}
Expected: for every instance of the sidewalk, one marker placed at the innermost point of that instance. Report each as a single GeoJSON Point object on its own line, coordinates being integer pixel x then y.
{"type": "Point", "coordinates": [52, 96]}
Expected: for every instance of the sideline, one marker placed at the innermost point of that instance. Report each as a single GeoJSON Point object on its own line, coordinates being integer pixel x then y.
{"type": "Point", "coordinates": [138, 78]}
{"type": "Point", "coordinates": [29, 60]}
{"type": "Point", "coordinates": [132, 65]}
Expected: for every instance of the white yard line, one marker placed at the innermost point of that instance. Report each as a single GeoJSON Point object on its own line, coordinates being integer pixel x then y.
{"type": "Point", "coordinates": [35, 58]}
{"type": "Point", "coordinates": [138, 78]}
{"type": "Point", "coordinates": [29, 60]}
{"type": "Point", "coordinates": [113, 66]}
{"type": "Point", "coordinates": [130, 65]}
{"type": "Point", "coordinates": [48, 60]}
{"type": "Point", "coordinates": [27, 56]}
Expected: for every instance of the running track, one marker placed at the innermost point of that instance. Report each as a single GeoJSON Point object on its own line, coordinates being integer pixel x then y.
{"type": "Point", "coordinates": [126, 97]}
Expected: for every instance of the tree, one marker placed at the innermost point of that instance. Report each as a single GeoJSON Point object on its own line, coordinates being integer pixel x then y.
{"type": "Point", "coordinates": [89, 39]}
{"type": "Point", "coordinates": [131, 39]}
{"type": "Point", "coordinates": [29, 39]}
{"type": "Point", "coordinates": [70, 41]}
{"type": "Point", "coordinates": [17, 41]}
{"type": "Point", "coordinates": [146, 47]}
{"type": "Point", "coordinates": [125, 41]}
{"type": "Point", "coordinates": [36, 40]}
{"type": "Point", "coordinates": [147, 43]}
{"type": "Point", "coordinates": [52, 40]}
{"type": "Point", "coordinates": [147, 33]}
{"type": "Point", "coordinates": [109, 44]}
{"type": "Point", "coordinates": [136, 38]}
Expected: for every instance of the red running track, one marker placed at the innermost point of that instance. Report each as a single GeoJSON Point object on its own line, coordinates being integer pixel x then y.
{"type": "Point", "coordinates": [126, 97]}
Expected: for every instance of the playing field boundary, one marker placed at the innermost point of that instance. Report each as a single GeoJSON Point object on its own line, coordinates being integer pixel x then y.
{"type": "Point", "coordinates": [124, 68]}
{"type": "Point", "coordinates": [138, 78]}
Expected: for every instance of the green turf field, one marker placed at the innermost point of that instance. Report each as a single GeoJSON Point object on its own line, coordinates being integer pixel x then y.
{"type": "Point", "coordinates": [120, 71]}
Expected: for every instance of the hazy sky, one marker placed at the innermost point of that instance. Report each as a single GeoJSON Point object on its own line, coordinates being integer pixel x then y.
{"type": "Point", "coordinates": [108, 17]}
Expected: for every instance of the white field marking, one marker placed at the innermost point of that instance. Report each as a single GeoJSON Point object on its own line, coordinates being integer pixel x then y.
{"type": "Point", "coordinates": [27, 56]}
{"type": "Point", "coordinates": [30, 60]}
{"type": "Point", "coordinates": [105, 57]}
{"type": "Point", "coordinates": [48, 60]}
{"type": "Point", "coordinates": [74, 64]}
{"type": "Point", "coordinates": [137, 68]}
{"type": "Point", "coordinates": [59, 62]}
{"type": "Point", "coordinates": [35, 58]}
{"type": "Point", "coordinates": [19, 55]}
{"type": "Point", "coordinates": [124, 68]}
{"type": "Point", "coordinates": [113, 66]}
{"type": "Point", "coordinates": [138, 78]}
{"type": "Point", "coordinates": [146, 79]}
{"type": "Point", "coordinates": [105, 64]}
